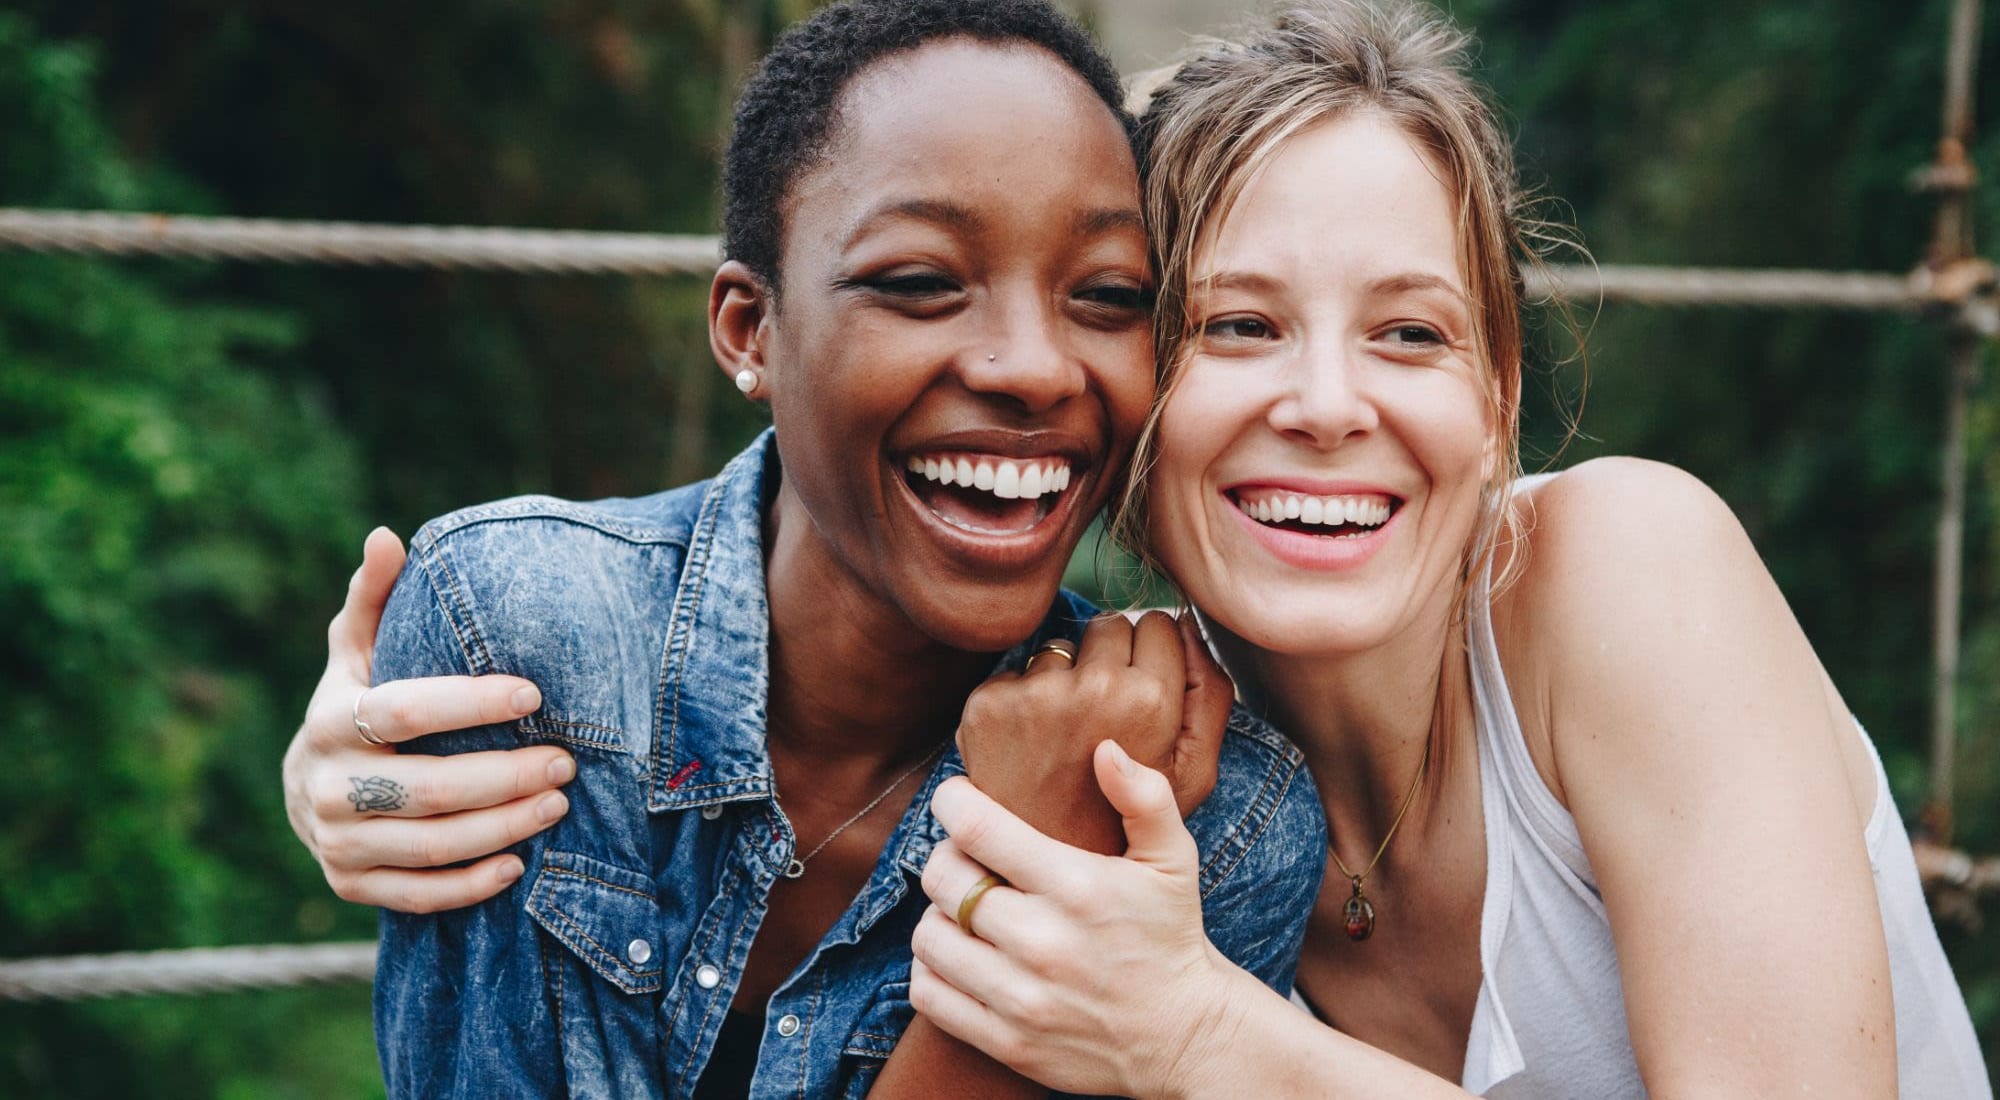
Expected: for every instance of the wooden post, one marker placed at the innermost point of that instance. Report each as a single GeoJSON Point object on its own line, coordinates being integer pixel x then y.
{"type": "Point", "coordinates": [1952, 177]}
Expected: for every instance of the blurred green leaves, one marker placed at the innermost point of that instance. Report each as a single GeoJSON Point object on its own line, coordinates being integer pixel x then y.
{"type": "Point", "coordinates": [171, 514]}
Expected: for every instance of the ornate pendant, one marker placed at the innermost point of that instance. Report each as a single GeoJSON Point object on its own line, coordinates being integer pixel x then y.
{"type": "Point", "coordinates": [795, 869]}
{"type": "Point", "coordinates": [1359, 914]}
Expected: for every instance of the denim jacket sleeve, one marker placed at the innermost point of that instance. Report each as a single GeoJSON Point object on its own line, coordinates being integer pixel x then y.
{"type": "Point", "coordinates": [1260, 879]}
{"type": "Point", "coordinates": [434, 986]}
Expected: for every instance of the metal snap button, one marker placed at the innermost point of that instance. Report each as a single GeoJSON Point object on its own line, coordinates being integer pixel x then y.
{"type": "Point", "coordinates": [707, 977]}
{"type": "Point", "coordinates": [639, 951]}
{"type": "Point", "coordinates": [788, 1026]}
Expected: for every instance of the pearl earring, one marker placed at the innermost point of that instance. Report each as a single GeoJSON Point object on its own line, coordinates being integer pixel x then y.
{"type": "Point", "coordinates": [746, 381]}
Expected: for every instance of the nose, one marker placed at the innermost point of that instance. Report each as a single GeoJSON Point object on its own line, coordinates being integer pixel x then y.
{"type": "Point", "coordinates": [1025, 358]}
{"type": "Point", "coordinates": [1324, 397]}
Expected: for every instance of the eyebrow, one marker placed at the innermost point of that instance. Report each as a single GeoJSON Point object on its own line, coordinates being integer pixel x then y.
{"type": "Point", "coordinates": [941, 212]}
{"type": "Point", "coordinates": [963, 219]}
{"type": "Point", "coordinates": [1391, 284]}
{"type": "Point", "coordinates": [1403, 284]}
{"type": "Point", "coordinates": [1094, 222]}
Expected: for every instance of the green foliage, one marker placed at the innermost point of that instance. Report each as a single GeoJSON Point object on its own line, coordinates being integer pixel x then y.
{"type": "Point", "coordinates": [172, 513]}
{"type": "Point", "coordinates": [183, 480]}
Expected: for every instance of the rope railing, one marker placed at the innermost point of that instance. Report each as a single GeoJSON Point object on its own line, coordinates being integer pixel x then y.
{"type": "Point", "coordinates": [1957, 881]}
{"type": "Point", "coordinates": [198, 970]}
{"type": "Point", "coordinates": [587, 253]}
{"type": "Point", "coordinates": [549, 252]}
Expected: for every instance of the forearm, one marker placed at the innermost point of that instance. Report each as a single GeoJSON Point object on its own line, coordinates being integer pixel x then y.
{"type": "Point", "coordinates": [1260, 1044]}
{"type": "Point", "coordinates": [928, 1063]}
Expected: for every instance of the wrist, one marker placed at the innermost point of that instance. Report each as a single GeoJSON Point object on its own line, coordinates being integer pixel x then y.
{"type": "Point", "coordinates": [1202, 1060]}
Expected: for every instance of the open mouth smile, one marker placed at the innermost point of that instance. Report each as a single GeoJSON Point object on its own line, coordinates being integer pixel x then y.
{"type": "Point", "coordinates": [983, 494]}
{"type": "Point", "coordinates": [1316, 530]}
{"type": "Point", "coordinates": [1341, 517]}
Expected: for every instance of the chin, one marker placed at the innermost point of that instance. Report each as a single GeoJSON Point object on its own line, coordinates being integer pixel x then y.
{"type": "Point", "coordinates": [991, 619]}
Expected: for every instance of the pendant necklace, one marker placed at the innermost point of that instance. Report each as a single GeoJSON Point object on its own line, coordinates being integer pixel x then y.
{"type": "Point", "coordinates": [1359, 913]}
{"type": "Point", "coordinates": [797, 867]}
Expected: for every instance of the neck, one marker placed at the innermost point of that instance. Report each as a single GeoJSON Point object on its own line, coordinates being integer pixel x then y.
{"type": "Point", "coordinates": [1363, 719]}
{"type": "Point", "coordinates": [852, 679]}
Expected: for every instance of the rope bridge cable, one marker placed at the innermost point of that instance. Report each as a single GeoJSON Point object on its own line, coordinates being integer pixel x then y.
{"type": "Point", "coordinates": [200, 970]}
{"type": "Point", "coordinates": [580, 253]}
{"type": "Point", "coordinates": [297, 242]}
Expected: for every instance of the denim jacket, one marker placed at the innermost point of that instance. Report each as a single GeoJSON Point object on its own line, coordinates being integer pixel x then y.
{"type": "Point", "coordinates": [607, 969]}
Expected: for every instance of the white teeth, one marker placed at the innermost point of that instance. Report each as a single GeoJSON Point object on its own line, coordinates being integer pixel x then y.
{"type": "Point", "coordinates": [1368, 511]}
{"type": "Point", "coordinates": [1004, 479]}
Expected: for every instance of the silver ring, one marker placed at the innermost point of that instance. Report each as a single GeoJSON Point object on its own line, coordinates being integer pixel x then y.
{"type": "Point", "coordinates": [366, 731]}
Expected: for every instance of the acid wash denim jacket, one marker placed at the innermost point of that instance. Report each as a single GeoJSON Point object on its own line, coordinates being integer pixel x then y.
{"type": "Point", "coordinates": [607, 969]}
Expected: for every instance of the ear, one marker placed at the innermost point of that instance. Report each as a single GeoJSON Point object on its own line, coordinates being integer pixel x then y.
{"type": "Point", "coordinates": [739, 307]}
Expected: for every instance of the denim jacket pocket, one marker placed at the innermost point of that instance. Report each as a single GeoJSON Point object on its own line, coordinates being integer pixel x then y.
{"type": "Point", "coordinates": [606, 915]}
{"type": "Point", "coordinates": [605, 977]}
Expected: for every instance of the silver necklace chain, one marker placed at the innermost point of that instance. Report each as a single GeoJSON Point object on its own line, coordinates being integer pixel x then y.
{"type": "Point", "coordinates": [797, 867]}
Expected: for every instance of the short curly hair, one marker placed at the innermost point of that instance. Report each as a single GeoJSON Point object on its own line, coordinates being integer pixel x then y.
{"type": "Point", "coordinates": [788, 112]}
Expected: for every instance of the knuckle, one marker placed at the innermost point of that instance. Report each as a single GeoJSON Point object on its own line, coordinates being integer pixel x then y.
{"type": "Point", "coordinates": [426, 848]}
{"type": "Point", "coordinates": [407, 712]}
{"type": "Point", "coordinates": [346, 887]}
{"type": "Point", "coordinates": [335, 847]}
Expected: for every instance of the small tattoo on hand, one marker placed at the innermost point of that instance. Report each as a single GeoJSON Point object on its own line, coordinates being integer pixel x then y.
{"type": "Point", "coordinates": [376, 794]}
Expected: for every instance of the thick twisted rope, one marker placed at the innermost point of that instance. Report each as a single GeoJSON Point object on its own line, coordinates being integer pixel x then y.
{"type": "Point", "coordinates": [202, 970]}
{"type": "Point", "coordinates": [549, 252]}
{"type": "Point", "coordinates": [289, 242]}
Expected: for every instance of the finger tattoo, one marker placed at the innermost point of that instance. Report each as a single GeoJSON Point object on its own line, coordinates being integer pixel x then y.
{"type": "Point", "coordinates": [376, 794]}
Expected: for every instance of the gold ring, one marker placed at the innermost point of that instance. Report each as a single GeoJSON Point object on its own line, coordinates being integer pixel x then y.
{"type": "Point", "coordinates": [1054, 647]}
{"type": "Point", "coordinates": [366, 731]}
{"type": "Point", "coordinates": [972, 899]}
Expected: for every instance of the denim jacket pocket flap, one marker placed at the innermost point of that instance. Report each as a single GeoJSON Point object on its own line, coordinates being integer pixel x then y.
{"type": "Point", "coordinates": [882, 1024]}
{"type": "Point", "coordinates": [608, 916]}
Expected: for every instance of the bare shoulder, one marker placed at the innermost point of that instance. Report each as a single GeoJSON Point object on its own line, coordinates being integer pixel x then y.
{"type": "Point", "coordinates": [1615, 538]}
{"type": "Point", "coordinates": [1634, 574]}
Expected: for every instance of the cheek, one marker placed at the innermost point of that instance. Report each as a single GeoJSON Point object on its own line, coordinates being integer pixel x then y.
{"type": "Point", "coordinates": [1124, 368]}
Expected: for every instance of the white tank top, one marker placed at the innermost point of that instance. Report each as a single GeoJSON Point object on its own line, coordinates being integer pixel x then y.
{"type": "Point", "coordinates": [1550, 1019]}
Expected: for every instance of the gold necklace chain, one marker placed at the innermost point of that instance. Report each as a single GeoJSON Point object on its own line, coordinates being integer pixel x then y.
{"type": "Point", "coordinates": [1359, 913]}
{"type": "Point", "coordinates": [797, 867]}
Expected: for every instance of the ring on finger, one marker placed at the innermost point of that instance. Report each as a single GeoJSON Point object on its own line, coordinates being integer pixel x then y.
{"type": "Point", "coordinates": [366, 731]}
{"type": "Point", "coordinates": [1054, 647]}
{"type": "Point", "coordinates": [971, 901]}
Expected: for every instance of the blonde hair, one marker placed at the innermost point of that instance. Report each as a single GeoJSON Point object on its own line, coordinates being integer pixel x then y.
{"type": "Point", "coordinates": [1226, 111]}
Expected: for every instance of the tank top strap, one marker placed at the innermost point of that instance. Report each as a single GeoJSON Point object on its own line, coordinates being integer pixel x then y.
{"type": "Point", "coordinates": [1519, 782]}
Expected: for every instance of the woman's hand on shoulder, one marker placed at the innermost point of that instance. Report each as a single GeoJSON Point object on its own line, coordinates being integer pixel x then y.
{"type": "Point", "coordinates": [1090, 974]}
{"type": "Point", "coordinates": [383, 825]}
{"type": "Point", "coordinates": [1704, 757]}
{"type": "Point", "coordinates": [1028, 738]}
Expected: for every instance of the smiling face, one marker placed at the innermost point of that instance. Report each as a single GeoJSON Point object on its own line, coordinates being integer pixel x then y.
{"type": "Point", "coordinates": [959, 357]}
{"type": "Point", "coordinates": [1321, 458]}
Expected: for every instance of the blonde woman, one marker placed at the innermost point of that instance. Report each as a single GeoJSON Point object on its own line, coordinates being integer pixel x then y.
{"type": "Point", "coordinates": [1600, 824]}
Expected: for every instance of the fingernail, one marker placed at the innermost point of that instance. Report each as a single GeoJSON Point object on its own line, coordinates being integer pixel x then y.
{"type": "Point", "coordinates": [562, 770]}
{"type": "Point", "coordinates": [526, 699]}
{"type": "Point", "coordinates": [508, 871]}
{"type": "Point", "coordinates": [552, 808]}
{"type": "Point", "coordinates": [1126, 765]}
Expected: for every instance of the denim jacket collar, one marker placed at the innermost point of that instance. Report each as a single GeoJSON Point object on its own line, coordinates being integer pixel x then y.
{"type": "Point", "coordinates": [708, 737]}
{"type": "Point", "coordinates": [709, 744]}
